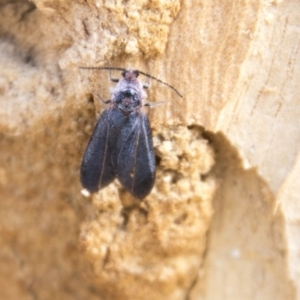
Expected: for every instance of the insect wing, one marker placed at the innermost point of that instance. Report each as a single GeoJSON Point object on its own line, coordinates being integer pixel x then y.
{"type": "Point", "coordinates": [134, 155]}
{"type": "Point", "coordinates": [96, 169]}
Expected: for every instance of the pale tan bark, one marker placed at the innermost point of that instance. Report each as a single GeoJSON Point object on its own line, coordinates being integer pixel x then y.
{"type": "Point", "coordinates": [222, 221]}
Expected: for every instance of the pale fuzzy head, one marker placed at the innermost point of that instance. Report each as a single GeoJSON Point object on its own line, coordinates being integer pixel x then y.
{"type": "Point", "coordinates": [129, 81]}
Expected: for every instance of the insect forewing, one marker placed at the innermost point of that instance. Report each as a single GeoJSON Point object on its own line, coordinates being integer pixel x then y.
{"type": "Point", "coordinates": [96, 168]}
{"type": "Point", "coordinates": [134, 156]}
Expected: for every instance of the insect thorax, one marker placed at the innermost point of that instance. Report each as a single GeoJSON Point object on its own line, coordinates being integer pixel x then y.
{"type": "Point", "coordinates": [128, 100]}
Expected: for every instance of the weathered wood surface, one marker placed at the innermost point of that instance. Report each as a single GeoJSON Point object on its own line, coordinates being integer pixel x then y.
{"type": "Point", "coordinates": [222, 221]}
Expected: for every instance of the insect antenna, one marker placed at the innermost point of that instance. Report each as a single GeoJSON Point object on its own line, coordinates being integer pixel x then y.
{"type": "Point", "coordinates": [140, 72]}
{"type": "Point", "coordinates": [103, 68]}
{"type": "Point", "coordinates": [165, 83]}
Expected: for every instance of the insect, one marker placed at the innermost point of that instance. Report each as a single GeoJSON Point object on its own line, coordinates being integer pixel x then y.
{"type": "Point", "coordinates": [121, 145]}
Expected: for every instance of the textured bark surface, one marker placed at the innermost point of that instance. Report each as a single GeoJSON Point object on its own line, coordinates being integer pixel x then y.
{"type": "Point", "coordinates": [222, 221]}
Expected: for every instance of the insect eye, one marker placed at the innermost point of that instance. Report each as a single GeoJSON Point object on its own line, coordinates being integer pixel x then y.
{"type": "Point", "coordinates": [128, 94]}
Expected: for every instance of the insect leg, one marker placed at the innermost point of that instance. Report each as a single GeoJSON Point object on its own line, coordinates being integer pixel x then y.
{"type": "Point", "coordinates": [111, 78]}
{"type": "Point", "coordinates": [153, 104]}
{"type": "Point", "coordinates": [147, 84]}
{"type": "Point", "coordinates": [104, 101]}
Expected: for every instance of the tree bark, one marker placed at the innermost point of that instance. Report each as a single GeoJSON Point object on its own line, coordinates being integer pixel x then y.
{"type": "Point", "coordinates": [222, 220]}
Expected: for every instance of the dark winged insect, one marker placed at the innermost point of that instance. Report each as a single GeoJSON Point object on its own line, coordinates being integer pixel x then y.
{"type": "Point", "coordinates": [121, 144]}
